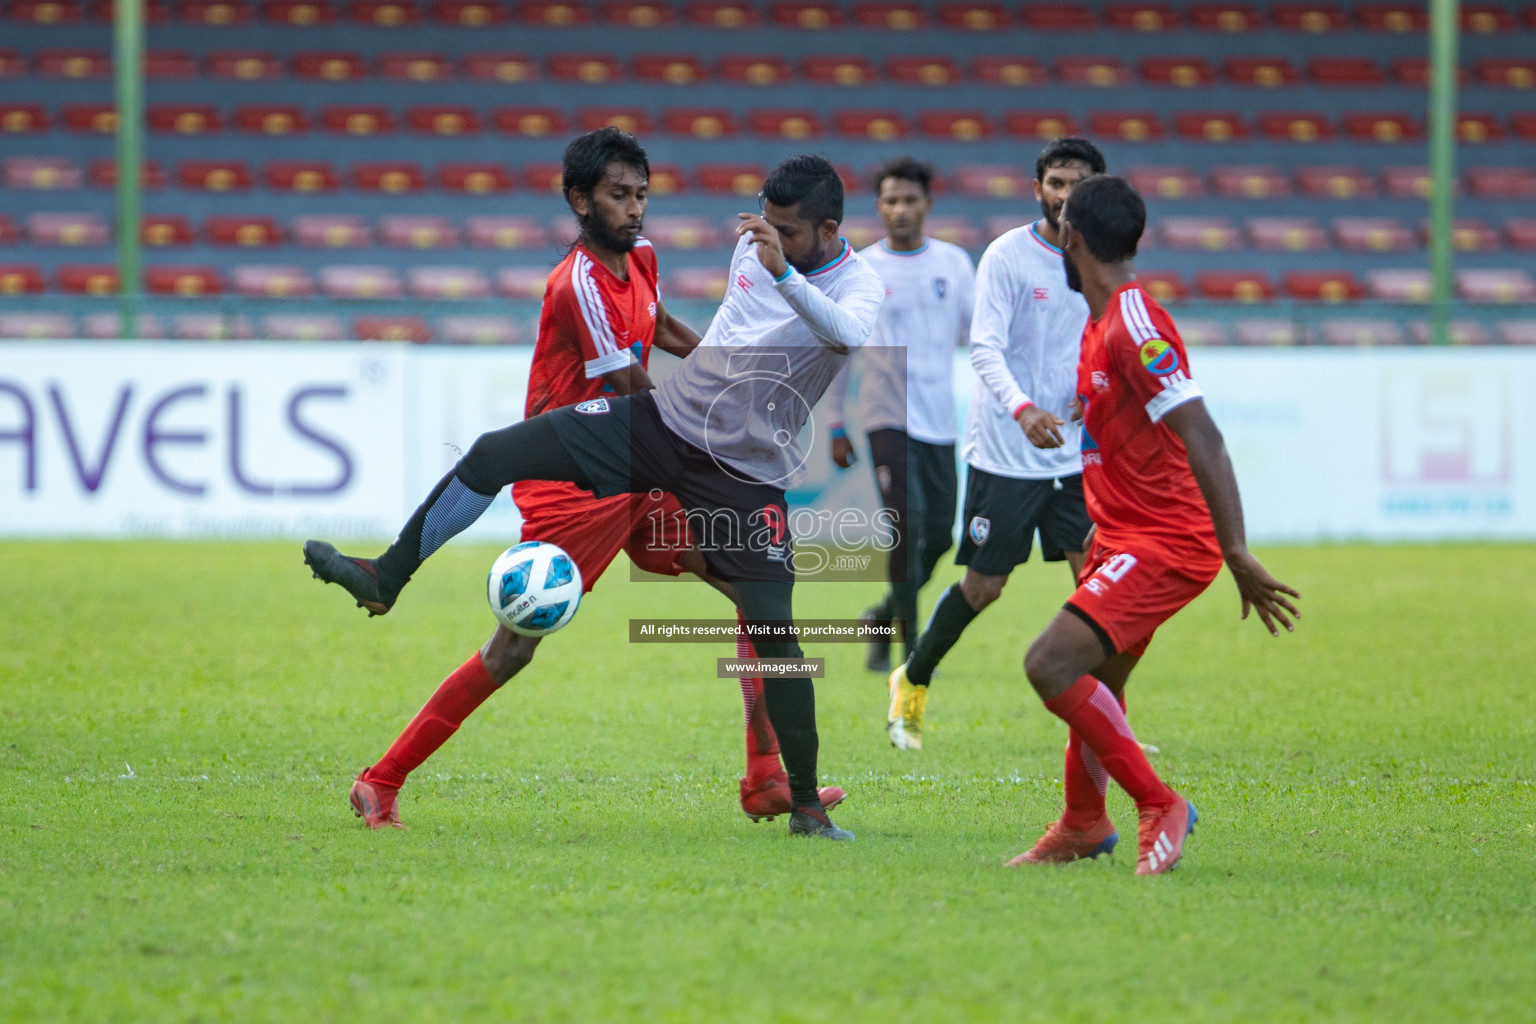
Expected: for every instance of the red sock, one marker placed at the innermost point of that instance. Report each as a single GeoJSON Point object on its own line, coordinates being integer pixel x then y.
{"type": "Point", "coordinates": [462, 692]}
{"type": "Point", "coordinates": [762, 743]}
{"type": "Point", "coordinates": [1094, 714]}
{"type": "Point", "coordinates": [1085, 781]}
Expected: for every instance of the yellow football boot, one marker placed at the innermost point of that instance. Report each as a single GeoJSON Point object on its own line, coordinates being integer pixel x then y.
{"type": "Point", "coordinates": [904, 720]}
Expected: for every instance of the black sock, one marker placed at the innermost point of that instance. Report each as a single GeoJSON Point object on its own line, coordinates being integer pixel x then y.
{"type": "Point", "coordinates": [950, 617]}
{"type": "Point", "coordinates": [882, 609]}
{"type": "Point", "coordinates": [792, 713]}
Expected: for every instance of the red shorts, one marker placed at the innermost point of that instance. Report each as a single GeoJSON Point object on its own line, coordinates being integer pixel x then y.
{"type": "Point", "coordinates": [653, 532]}
{"type": "Point", "coordinates": [1132, 588]}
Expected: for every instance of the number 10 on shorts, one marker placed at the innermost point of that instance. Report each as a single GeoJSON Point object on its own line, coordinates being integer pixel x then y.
{"type": "Point", "coordinates": [1113, 570]}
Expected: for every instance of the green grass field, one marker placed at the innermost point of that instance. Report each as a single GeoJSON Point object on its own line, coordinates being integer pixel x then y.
{"type": "Point", "coordinates": [179, 725]}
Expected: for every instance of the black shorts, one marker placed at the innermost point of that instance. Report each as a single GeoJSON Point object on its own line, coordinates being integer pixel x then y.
{"type": "Point", "coordinates": [621, 446]}
{"type": "Point", "coordinates": [1003, 514]}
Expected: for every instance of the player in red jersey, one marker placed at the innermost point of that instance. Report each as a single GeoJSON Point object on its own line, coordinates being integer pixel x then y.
{"type": "Point", "coordinates": [1164, 502]}
{"type": "Point", "coordinates": [601, 315]}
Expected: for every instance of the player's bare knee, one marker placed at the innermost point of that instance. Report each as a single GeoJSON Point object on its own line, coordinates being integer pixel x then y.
{"type": "Point", "coordinates": [1045, 668]}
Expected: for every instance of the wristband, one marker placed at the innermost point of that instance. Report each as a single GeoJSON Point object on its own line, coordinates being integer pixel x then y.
{"type": "Point", "coordinates": [781, 278]}
{"type": "Point", "coordinates": [838, 433]}
{"type": "Point", "coordinates": [1021, 407]}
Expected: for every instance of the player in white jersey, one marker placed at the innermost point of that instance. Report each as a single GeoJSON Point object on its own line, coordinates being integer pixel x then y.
{"type": "Point", "coordinates": [1024, 462]}
{"type": "Point", "coordinates": [906, 393]}
{"type": "Point", "coordinates": [720, 433]}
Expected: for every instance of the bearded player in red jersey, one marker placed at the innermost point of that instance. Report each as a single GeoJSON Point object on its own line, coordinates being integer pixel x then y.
{"type": "Point", "coordinates": [601, 315]}
{"type": "Point", "coordinates": [1163, 498]}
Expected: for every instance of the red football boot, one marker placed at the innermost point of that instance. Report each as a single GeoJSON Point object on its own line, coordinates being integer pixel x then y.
{"type": "Point", "coordinates": [770, 798]}
{"type": "Point", "coordinates": [375, 804]}
{"type": "Point", "coordinates": [1160, 836]}
{"type": "Point", "coordinates": [1063, 845]}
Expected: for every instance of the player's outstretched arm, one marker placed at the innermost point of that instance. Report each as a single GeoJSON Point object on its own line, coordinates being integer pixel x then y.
{"type": "Point", "coordinates": [672, 335]}
{"type": "Point", "coordinates": [1212, 467]}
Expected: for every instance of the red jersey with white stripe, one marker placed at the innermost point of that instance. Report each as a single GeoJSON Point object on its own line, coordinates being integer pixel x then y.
{"type": "Point", "coordinates": [1136, 475]}
{"type": "Point", "coordinates": [591, 323]}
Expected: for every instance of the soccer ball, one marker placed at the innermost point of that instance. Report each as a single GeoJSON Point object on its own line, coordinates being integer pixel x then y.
{"type": "Point", "coordinates": [534, 588]}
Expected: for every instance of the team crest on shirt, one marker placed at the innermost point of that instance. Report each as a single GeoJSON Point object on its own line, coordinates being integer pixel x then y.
{"type": "Point", "coordinates": [981, 529]}
{"type": "Point", "coordinates": [940, 287]}
{"type": "Point", "coordinates": [1159, 357]}
{"type": "Point", "coordinates": [592, 406]}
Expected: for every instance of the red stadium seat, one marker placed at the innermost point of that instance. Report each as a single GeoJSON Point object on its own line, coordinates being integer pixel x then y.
{"type": "Point", "coordinates": [46, 12]}
{"type": "Point", "coordinates": [244, 65]}
{"type": "Point", "coordinates": [163, 231]}
{"type": "Point", "coordinates": [1142, 17]}
{"type": "Point", "coordinates": [630, 119]}
{"type": "Point", "coordinates": [914, 70]}
{"type": "Point", "coordinates": [415, 67]}
{"type": "Point", "coordinates": [447, 283]}
{"type": "Point", "coordinates": [1058, 17]}
{"type": "Point", "coordinates": [812, 17]}
{"type": "Point", "coordinates": [329, 66]}
{"type": "Point", "coordinates": [784, 123]}
{"type": "Point", "coordinates": [12, 64]}
{"type": "Point", "coordinates": [213, 175]}
{"type": "Point", "coordinates": [1335, 182]}
{"type": "Point", "coordinates": [1249, 182]}
{"type": "Point", "coordinates": [8, 233]}
{"type": "Point", "coordinates": [21, 279]}
{"type": "Point", "coordinates": [1316, 18]}
{"type": "Point", "coordinates": [870, 124]}
{"type": "Point", "coordinates": [393, 177]}
{"type": "Point", "coordinates": [1100, 72]}
{"type": "Point", "coordinates": [754, 69]}
{"type": "Point", "coordinates": [479, 330]}
{"type": "Point", "coordinates": [298, 13]}
{"type": "Point", "coordinates": [666, 180]}
{"type": "Point", "coordinates": [1210, 234]}
{"type": "Point", "coordinates": [1519, 73]}
{"type": "Point", "coordinates": [301, 176]}
{"type": "Point", "coordinates": [1235, 285]}
{"type": "Point", "coordinates": [669, 68]}
{"type": "Point", "coordinates": [1468, 234]}
{"type": "Point", "coordinates": [1295, 126]}
{"type": "Point", "coordinates": [382, 13]}
{"type": "Point", "coordinates": [103, 174]}
{"type": "Point", "coordinates": [1361, 332]}
{"type": "Point", "coordinates": [1163, 285]}
{"type": "Point", "coordinates": [1502, 182]}
{"type": "Point", "coordinates": [351, 119]}
{"type": "Point", "coordinates": [303, 327]}
{"type": "Point", "coordinates": [1520, 233]}
{"type": "Point", "coordinates": [469, 13]}
{"type": "Point", "coordinates": [1345, 71]}
{"type": "Point", "coordinates": [1386, 126]}
{"type": "Point", "coordinates": [1475, 129]}
{"type": "Point", "coordinates": [331, 231]}
{"type": "Point", "coordinates": [1182, 72]}
{"type": "Point", "coordinates": [183, 281]}
{"type": "Point", "coordinates": [973, 17]}
{"type": "Point", "coordinates": [1487, 20]}
{"type": "Point", "coordinates": [1373, 234]}
{"type": "Point", "coordinates": [961, 231]}
{"type": "Point", "coordinates": [87, 278]}
{"type": "Point", "coordinates": [1125, 125]}
{"type": "Point", "coordinates": [1495, 285]}
{"type": "Point", "coordinates": [894, 17]}
{"type": "Point", "coordinates": [955, 125]}
{"type": "Point", "coordinates": [1287, 234]}
{"type": "Point", "coordinates": [488, 232]}
{"type": "Point", "coordinates": [721, 14]}
{"type": "Point", "coordinates": [700, 122]}
{"type": "Point", "coordinates": [1322, 285]}
{"type": "Point", "coordinates": [1210, 125]}
{"type": "Point", "coordinates": [734, 179]}
{"type": "Point", "coordinates": [250, 231]}
{"type": "Point", "coordinates": [268, 281]}
{"type": "Point", "coordinates": [1392, 17]}
{"type": "Point", "coordinates": [174, 65]}
{"type": "Point", "coordinates": [392, 327]}
{"type": "Point", "coordinates": [1263, 72]}
{"type": "Point", "coordinates": [837, 69]}
{"type": "Point", "coordinates": [1166, 182]}
{"type": "Point", "coordinates": [562, 232]}
{"type": "Point", "coordinates": [1398, 285]}
{"type": "Point", "coordinates": [359, 282]}
{"type": "Point", "coordinates": [71, 64]}
{"type": "Point", "coordinates": [697, 283]}
{"type": "Point", "coordinates": [534, 122]}
{"type": "Point", "coordinates": [474, 178]}
{"type": "Point", "coordinates": [1523, 126]}
{"type": "Point", "coordinates": [1013, 71]}
{"type": "Point", "coordinates": [212, 12]}
{"type": "Point", "coordinates": [1414, 71]}
{"type": "Point", "coordinates": [89, 118]}
{"type": "Point", "coordinates": [1406, 182]}
{"type": "Point", "coordinates": [40, 173]}
{"type": "Point", "coordinates": [183, 119]}
{"type": "Point", "coordinates": [443, 120]}
{"type": "Point", "coordinates": [499, 67]}
{"type": "Point", "coordinates": [543, 177]}
{"type": "Point", "coordinates": [524, 282]}
{"type": "Point", "coordinates": [993, 181]}
{"type": "Point", "coordinates": [1038, 124]}
{"type": "Point", "coordinates": [272, 120]}
{"type": "Point", "coordinates": [683, 233]}
{"type": "Point", "coordinates": [641, 14]}
{"type": "Point", "coordinates": [553, 13]}
{"type": "Point", "coordinates": [1224, 17]}
{"type": "Point", "coordinates": [583, 67]}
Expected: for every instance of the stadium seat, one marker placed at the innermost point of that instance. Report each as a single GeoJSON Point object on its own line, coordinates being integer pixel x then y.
{"type": "Point", "coordinates": [683, 232]}
{"type": "Point", "coordinates": [393, 177]}
{"type": "Point", "coordinates": [869, 124]}
{"type": "Point", "coordinates": [266, 281]}
{"type": "Point", "coordinates": [162, 230]}
{"type": "Point", "coordinates": [1360, 332]}
{"type": "Point", "coordinates": [667, 180]}
{"type": "Point", "coordinates": [87, 278]}
{"type": "Point", "coordinates": [103, 174]}
{"type": "Point", "coordinates": [1502, 182]}
{"type": "Point", "coordinates": [8, 233]}
{"type": "Point", "coordinates": [1523, 126]}
{"type": "Point", "coordinates": [183, 118]}
{"type": "Point", "coordinates": [955, 125]}
{"type": "Point", "coordinates": [1381, 126]}
{"type": "Point", "coordinates": [704, 283]}
{"type": "Point", "coordinates": [415, 67]}
{"type": "Point", "coordinates": [1262, 72]}
{"type": "Point", "coordinates": [543, 177]}
{"type": "Point", "coordinates": [1294, 126]}
{"type": "Point", "coordinates": [1244, 181]}
{"type": "Point", "coordinates": [1392, 17]}
{"type": "Point", "coordinates": [475, 179]}
{"type": "Point", "coordinates": [447, 283]}
{"type": "Point", "coordinates": [892, 17]}
{"type": "Point", "coordinates": [40, 173]}
{"type": "Point", "coordinates": [533, 122]}
{"type": "Point", "coordinates": [1058, 17]}
{"type": "Point", "coordinates": [359, 282]}
{"type": "Point", "coordinates": [443, 120]}
{"type": "Point", "coordinates": [298, 13]}
{"type": "Point", "coordinates": [1487, 20]}
{"type": "Point", "coordinates": [1199, 332]}
{"type": "Point", "coordinates": [1212, 234]}
{"type": "Point", "coordinates": [67, 229]}
{"type": "Point", "coordinates": [699, 122]}
{"type": "Point", "coordinates": [1235, 285]}
{"type": "Point", "coordinates": [244, 65]}
{"type": "Point", "coordinates": [180, 280]}
{"type": "Point", "coordinates": [1265, 332]}
{"type": "Point", "coordinates": [1181, 72]}
{"type": "Point", "coordinates": [156, 12]}
{"type": "Point", "coordinates": [46, 12]}
{"type": "Point", "coordinates": [1210, 125]}
{"type": "Point", "coordinates": [478, 330]}
{"type": "Point", "coordinates": [329, 66]}
{"type": "Point", "coordinates": [510, 68]}
{"type": "Point", "coordinates": [753, 69]}
{"type": "Point", "coordinates": [641, 14]}
{"type": "Point", "coordinates": [413, 329]}
{"type": "Point", "coordinates": [1038, 124]}
{"type": "Point", "coordinates": [1414, 71]}
{"type": "Point", "coordinates": [1322, 285]}
{"type": "Point", "coordinates": [1495, 285]}
{"type": "Point", "coordinates": [583, 67]}
{"type": "Point", "coordinates": [1520, 233]}
{"type": "Point", "coordinates": [1373, 234]}
{"type": "Point", "coordinates": [502, 232]}
{"type": "Point", "coordinates": [973, 17]}
{"type": "Point", "coordinates": [12, 64]}
{"type": "Point", "coordinates": [1012, 71]}
{"type": "Point", "coordinates": [382, 13]}
{"type": "Point", "coordinates": [552, 13]}
{"type": "Point", "coordinates": [562, 232]}
{"type": "Point", "coordinates": [1125, 125]}
{"type": "Point", "coordinates": [837, 69]}
{"type": "Point", "coordinates": [22, 119]}
{"type": "Point", "coordinates": [1516, 73]}
{"type": "Point", "coordinates": [270, 119]}
{"type": "Point", "coordinates": [1406, 182]}
{"type": "Point", "coordinates": [331, 231]}
{"type": "Point", "coordinates": [221, 13]}
{"type": "Point", "coordinates": [303, 327]}
{"type": "Point", "coordinates": [1224, 17]}
{"type": "Point", "coordinates": [936, 71]}
{"type": "Point", "coordinates": [1463, 332]}
{"type": "Point", "coordinates": [670, 68]}
{"type": "Point", "coordinates": [1286, 234]}
{"type": "Point", "coordinates": [353, 119]}
{"type": "Point", "coordinates": [1475, 129]}
{"type": "Point", "coordinates": [71, 64]}
{"type": "Point", "coordinates": [1518, 332]}
{"type": "Point", "coordinates": [630, 119]}
{"type": "Point", "coordinates": [993, 181]}
{"type": "Point", "coordinates": [1335, 182]}
{"type": "Point", "coordinates": [524, 282]}
{"type": "Point", "coordinates": [21, 279]}
{"type": "Point", "coordinates": [733, 179]}
{"type": "Point", "coordinates": [1163, 285]}
{"type": "Point", "coordinates": [721, 14]}
{"type": "Point", "coordinates": [108, 326]}
{"type": "Point", "coordinates": [1141, 17]}
{"type": "Point", "coordinates": [784, 123]}
{"type": "Point", "coordinates": [36, 325]}
{"type": "Point", "coordinates": [1398, 285]}
{"type": "Point", "coordinates": [175, 65]}
{"type": "Point", "coordinates": [1166, 182]}
{"type": "Point", "coordinates": [301, 176]}
{"type": "Point", "coordinates": [88, 118]}
{"type": "Point", "coordinates": [250, 231]}
{"type": "Point", "coordinates": [961, 231]}
{"type": "Point", "coordinates": [417, 231]}
{"type": "Point", "coordinates": [1345, 71]}
{"type": "Point", "coordinates": [1099, 72]}
{"type": "Point", "coordinates": [1315, 18]}
{"type": "Point", "coordinates": [812, 17]}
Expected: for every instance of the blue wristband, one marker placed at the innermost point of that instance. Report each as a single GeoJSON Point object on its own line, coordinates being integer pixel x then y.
{"type": "Point", "coordinates": [838, 433]}
{"type": "Point", "coordinates": [781, 278]}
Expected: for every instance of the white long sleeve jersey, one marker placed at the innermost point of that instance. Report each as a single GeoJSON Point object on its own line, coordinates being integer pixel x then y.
{"type": "Point", "coordinates": [1026, 336]}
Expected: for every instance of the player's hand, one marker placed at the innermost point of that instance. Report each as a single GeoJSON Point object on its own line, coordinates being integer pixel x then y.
{"type": "Point", "coordinates": [1076, 410]}
{"type": "Point", "coordinates": [843, 453]}
{"type": "Point", "coordinates": [1263, 593]}
{"type": "Point", "coordinates": [767, 239]}
{"type": "Point", "coordinates": [1040, 426]}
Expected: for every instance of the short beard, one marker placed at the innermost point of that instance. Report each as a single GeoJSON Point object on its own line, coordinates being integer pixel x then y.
{"type": "Point", "coordinates": [814, 261]}
{"type": "Point", "coordinates": [1050, 218]}
{"type": "Point", "coordinates": [1074, 278]}
{"type": "Point", "coordinates": [597, 233]}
